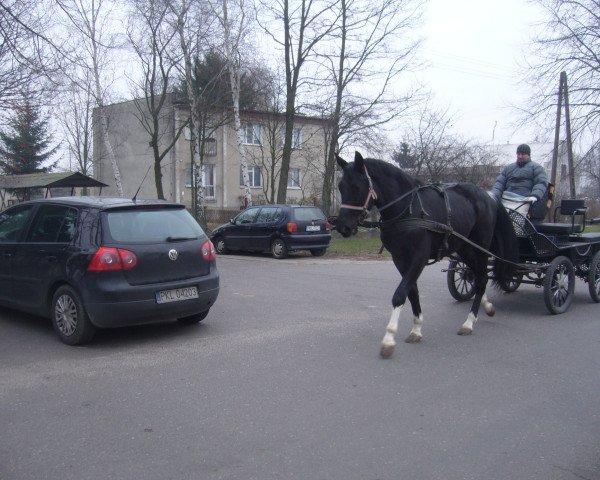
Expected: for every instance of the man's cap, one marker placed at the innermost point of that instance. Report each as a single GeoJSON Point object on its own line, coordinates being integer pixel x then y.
{"type": "Point", "coordinates": [523, 148]}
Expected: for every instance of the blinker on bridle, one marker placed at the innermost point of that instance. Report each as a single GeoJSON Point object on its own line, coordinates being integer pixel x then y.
{"type": "Point", "coordinates": [371, 195]}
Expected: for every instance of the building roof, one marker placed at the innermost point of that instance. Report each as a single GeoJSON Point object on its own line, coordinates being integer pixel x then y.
{"type": "Point", "coordinates": [49, 180]}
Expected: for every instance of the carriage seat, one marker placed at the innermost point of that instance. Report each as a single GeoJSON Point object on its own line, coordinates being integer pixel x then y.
{"type": "Point", "coordinates": [568, 208]}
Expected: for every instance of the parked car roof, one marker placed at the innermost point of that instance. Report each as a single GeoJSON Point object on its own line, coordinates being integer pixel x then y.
{"type": "Point", "coordinates": [101, 202]}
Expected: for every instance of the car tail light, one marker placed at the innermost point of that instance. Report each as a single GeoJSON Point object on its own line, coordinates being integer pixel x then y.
{"type": "Point", "coordinates": [292, 227]}
{"type": "Point", "coordinates": [109, 259]}
{"type": "Point", "coordinates": [208, 251]}
{"type": "Point", "coordinates": [328, 227]}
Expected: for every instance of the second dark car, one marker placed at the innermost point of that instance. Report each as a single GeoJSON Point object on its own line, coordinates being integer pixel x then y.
{"type": "Point", "coordinates": [278, 229]}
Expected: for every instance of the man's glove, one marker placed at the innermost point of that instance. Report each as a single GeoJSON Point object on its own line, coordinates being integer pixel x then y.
{"type": "Point", "coordinates": [531, 199]}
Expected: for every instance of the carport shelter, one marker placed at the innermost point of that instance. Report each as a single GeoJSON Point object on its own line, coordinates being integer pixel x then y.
{"type": "Point", "coordinates": [23, 185]}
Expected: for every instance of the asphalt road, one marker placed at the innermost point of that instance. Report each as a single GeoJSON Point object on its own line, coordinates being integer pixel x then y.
{"type": "Point", "coordinates": [283, 380]}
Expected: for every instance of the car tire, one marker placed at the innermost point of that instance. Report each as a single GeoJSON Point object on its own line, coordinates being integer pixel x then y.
{"type": "Point", "coordinates": [69, 318]}
{"type": "Point", "coordinates": [193, 319]}
{"type": "Point", "coordinates": [278, 249]}
{"type": "Point", "coordinates": [318, 252]}
{"type": "Point", "coordinates": [220, 246]}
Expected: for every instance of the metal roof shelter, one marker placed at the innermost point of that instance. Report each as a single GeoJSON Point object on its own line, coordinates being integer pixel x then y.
{"type": "Point", "coordinates": [22, 185]}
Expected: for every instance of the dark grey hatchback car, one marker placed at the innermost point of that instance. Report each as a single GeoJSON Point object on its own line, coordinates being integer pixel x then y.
{"type": "Point", "coordinates": [278, 229]}
{"type": "Point", "coordinates": [89, 262]}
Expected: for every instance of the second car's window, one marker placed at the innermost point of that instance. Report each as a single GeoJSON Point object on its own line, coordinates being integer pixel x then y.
{"type": "Point", "coordinates": [246, 216]}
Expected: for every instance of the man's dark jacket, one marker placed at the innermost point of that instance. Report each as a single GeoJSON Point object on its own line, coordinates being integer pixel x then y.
{"type": "Point", "coordinates": [528, 180]}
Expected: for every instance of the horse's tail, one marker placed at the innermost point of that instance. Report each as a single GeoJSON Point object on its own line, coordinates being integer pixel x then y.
{"type": "Point", "coordinates": [505, 245]}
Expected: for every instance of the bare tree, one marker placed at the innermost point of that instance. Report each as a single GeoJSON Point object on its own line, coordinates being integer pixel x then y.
{"type": "Point", "coordinates": [434, 153]}
{"type": "Point", "coordinates": [88, 26]}
{"type": "Point", "coordinates": [192, 26]}
{"type": "Point", "coordinates": [76, 121]}
{"type": "Point", "coordinates": [567, 39]}
{"type": "Point", "coordinates": [153, 43]}
{"type": "Point", "coordinates": [28, 54]}
{"type": "Point", "coordinates": [305, 23]}
{"type": "Point", "coordinates": [367, 35]}
{"type": "Point", "coordinates": [235, 24]}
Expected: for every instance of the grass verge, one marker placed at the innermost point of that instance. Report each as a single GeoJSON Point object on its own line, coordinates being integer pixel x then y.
{"type": "Point", "coordinates": [365, 244]}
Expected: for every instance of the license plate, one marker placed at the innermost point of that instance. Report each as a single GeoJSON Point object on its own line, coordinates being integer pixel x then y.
{"type": "Point", "coordinates": [176, 295]}
{"type": "Point", "coordinates": [313, 228]}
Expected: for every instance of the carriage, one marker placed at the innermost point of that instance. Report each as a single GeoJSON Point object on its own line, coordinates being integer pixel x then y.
{"type": "Point", "coordinates": [551, 256]}
{"type": "Point", "coordinates": [422, 223]}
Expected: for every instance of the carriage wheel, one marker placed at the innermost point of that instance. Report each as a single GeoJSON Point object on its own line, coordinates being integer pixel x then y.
{"type": "Point", "coordinates": [461, 281]}
{"type": "Point", "coordinates": [594, 278]}
{"type": "Point", "coordinates": [512, 284]}
{"type": "Point", "coordinates": [559, 285]}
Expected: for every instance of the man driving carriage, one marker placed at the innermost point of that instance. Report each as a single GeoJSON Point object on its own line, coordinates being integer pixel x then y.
{"type": "Point", "coordinates": [524, 177]}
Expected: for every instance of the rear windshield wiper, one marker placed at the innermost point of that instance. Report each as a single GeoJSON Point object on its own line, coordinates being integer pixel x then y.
{"type": "Point", "coordinates": [180, 239]}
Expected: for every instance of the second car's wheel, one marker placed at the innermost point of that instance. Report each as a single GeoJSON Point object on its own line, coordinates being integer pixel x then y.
{"type": "Point", "coordinates": [192, 319]}
{"type": "Point", "coordinates": [460, 280]}
{"type": "Point", "coordinates": [594, 278]}
{"type": "Point", "coordinates": [278, 248]}
{"type": "Point", "coordinates": [559, 285]}
{"type": "Point", "coordinates": [69, 318]}
{"type": "Point", "coordinates": [220, 246]}
{"type": "Point", "coordinates": [318, 252]}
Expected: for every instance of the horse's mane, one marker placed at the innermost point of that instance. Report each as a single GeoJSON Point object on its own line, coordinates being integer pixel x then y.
{"type": "Point", "coordinates": [387, 171]}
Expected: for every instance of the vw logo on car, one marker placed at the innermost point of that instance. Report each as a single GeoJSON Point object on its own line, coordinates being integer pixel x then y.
{"type": "Point", "coordinates": [173, 254]}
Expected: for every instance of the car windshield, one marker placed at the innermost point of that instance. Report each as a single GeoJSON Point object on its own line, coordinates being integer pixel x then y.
{"type": "Point", "coordinates": [158, 225]}
{"type": "Point", "coordinates": [308, 214]}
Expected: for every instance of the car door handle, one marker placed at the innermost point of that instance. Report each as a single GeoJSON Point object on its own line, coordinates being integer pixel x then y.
{"type": "Point", "coordinates": [7, 255]}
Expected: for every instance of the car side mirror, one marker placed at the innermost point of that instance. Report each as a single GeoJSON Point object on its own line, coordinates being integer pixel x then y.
{"type": "Point", "coordinates": [232, 221]}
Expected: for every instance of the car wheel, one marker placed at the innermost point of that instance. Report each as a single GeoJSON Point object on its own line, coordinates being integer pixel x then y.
{"type": "Point", "coordinates": [318, 252]}
{"type": "Point", "coordinates": [278, 248]}
{"type": "Point", "coordinates": [69, 318]}
{"type": "Point", "coordinates": [220, 246]}
{"type": "Point", "coordinates": [192, 319]}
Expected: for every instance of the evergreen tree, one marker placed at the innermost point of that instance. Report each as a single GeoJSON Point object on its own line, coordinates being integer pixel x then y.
{"type": "Point", "coordinates": [25, 148]}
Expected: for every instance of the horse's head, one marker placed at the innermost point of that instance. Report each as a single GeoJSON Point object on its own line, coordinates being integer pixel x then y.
{"type": "Point", "coordinates": [358, 194]}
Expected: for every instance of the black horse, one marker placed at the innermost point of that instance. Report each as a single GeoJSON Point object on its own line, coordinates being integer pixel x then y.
{"type": "Point", "coordinates": [420, 223]}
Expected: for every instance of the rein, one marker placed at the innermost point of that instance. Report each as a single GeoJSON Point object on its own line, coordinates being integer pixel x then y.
{"type": "Point", "coordinates": [409, 223]}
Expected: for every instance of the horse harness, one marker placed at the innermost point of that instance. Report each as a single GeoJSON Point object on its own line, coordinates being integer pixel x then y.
{"type": "Point", "coordinates": [419, 222]}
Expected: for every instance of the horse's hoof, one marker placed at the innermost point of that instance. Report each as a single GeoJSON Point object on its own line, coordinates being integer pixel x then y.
{"type": "Point", "coordinates": [386, 351]}
{"type": "Point", "coordinates": [465, 331]}
{"type": "Point", "coordinates": [412, 338]}
{"type": "Point", "coordinates": [491, 312]}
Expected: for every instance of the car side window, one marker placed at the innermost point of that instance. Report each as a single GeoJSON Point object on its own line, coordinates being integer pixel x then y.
{"type": "Point", "coordinates": [54, 224]}
{"type": "Point", "coordinates": [12, 222]}
{"type": "Point", "coordinates": [247, 216]}
{"type": "Point", "coordinates": [268, 215]}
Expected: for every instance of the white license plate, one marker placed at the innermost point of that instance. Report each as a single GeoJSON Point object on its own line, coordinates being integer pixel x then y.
{"type": "Point", "coordinates": [176, 295]}
{"type": "Point", "coordinates": [313, 228]}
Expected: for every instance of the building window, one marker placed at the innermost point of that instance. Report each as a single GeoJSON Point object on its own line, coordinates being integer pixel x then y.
{"type": "Point", "coordinates": [210, 147]}
{"type": "Point", "coordinates": [294, 178]}
{"type": "Point", "coordinates": [252, 134]}
{"type": "Point", "coordinates": [296, 138]}
{"type": "Point", "coordinates": [208, 179]}
{"type": "Point", "coordinates": [254, 177]}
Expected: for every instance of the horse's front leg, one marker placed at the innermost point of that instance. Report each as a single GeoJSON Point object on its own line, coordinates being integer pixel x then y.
{"type": "Point", "coordinates": [388, 343]}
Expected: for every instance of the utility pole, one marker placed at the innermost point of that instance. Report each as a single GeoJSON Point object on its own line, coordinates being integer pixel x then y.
{"type": "Point", "coordinates": [563, 95]}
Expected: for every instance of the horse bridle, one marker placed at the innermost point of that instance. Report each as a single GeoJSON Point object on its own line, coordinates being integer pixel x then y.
{"type": "Point", "coordinates": [370, 195]}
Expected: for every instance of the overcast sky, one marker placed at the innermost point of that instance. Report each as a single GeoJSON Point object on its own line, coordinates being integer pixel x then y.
{"type": "Point", "coordinates": [474, 47]}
